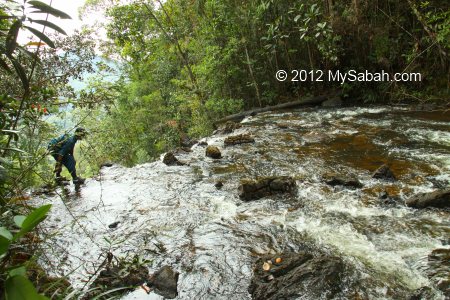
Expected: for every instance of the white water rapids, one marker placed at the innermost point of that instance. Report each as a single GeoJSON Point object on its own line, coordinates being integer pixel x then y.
{"type": "Point", "coordinates": [176, 216]}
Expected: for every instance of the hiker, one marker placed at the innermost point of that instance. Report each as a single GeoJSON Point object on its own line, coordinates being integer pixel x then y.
{"type": "Point", "coordinates": [61, 149]}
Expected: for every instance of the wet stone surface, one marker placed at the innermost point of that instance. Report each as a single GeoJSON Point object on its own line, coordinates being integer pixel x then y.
{"type": "Point", "coordinates": [300, 274]}
{"type": "Point", "coordinates": [439, 199]}
{"type": "Point", "coordinates": [255, 189]}
{"type": "Point", "coordinates": [239, 139]}
{"type": "Point", "coordinates": [176, 216]}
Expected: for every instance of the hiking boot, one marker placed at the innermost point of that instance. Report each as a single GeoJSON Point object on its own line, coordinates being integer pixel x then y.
{"type": "Point", "coordinates": [79, 181]}
{"type": "Point", "coordinates": [60, 179]}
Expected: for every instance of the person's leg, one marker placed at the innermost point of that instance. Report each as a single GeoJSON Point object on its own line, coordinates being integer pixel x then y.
{"type": "Point", "coordinates": [70, 163]}
{"type": "Point", "coordinates": [58, 167]}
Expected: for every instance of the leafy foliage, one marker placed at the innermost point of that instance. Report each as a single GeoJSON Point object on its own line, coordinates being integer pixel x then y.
{"type": "Point", "coordinates": [17, 285]}
{"type": "Point", "coordinates": [192, 62]}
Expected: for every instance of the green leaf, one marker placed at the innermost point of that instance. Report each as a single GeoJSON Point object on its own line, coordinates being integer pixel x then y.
{"type": "Point", "coordinates": [42, 36]}
{"type": "Point", "coordinates": [50, 25]}
{"type": "Point", "coordinates": [45, 8]}
{"type": "Point", "coordinates": [22, 271]}
{"type": "Point", "coordinates": [5, 233]}
{"type": "Point", "coordinates": [11, 38]}
{"type": "Point", "coordinates": [4, 245]}
{"type": "Point", "coordinates": [19, 220]}
{"type": "Point", "coordinates": [20, 288]}
{"type": "Point", "coordinates": [21, 72]}
{"type": "Point", "coordinates": [10, 131]}
{"type": "Point", "coordinates": [15, 149]}
{"type": "Point", "coordinates": [32, 220]}
{"type": "Point", "coordinates": [5, 161]}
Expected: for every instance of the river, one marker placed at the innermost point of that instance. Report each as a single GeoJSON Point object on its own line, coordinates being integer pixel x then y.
{"type": "Point", "coordinates": [174, 215]}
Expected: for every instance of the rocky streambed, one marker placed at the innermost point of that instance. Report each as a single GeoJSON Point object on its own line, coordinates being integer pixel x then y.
{"type": "Point", "coordinates": [285, 205]}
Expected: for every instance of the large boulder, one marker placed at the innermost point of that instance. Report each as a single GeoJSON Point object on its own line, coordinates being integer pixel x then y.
{"type": "Point", "coordinates": [239, 139]}
{"type": "Point", "coordinates": [342, 180]}
{"type": "Point", "coordinates": [213, 152]}
{"type": "Point", "coordinates": [170, 160]}
{"type": "Point", "coordinates": [164, 282]}
{"type": "Point", "coordinates": [385, 173]}
{"type": "Point", "coordinates": [291, 276]}
{"type": "Point", "coordinates": [266, 186]}
{"type": "Point", "coordinates": [439, 199]}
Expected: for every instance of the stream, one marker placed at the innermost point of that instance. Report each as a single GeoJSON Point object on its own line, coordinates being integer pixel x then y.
{"type": "Point", "coordinates": [174, 215]}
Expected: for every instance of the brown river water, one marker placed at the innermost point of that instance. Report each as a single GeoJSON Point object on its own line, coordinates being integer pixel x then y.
{"type": "Point", "coordinates": [176, 216]}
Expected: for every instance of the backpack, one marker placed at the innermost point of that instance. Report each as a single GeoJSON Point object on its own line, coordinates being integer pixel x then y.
{"type": "Point", "coordinates": [56, 144]}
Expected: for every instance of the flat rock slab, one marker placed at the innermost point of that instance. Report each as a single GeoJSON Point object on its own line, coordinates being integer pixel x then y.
{"type": "Point", "coordinates": [239, 139]}
{"type": "Point", "coordinates": [298, 274]}
{"type": "Point", "coordinates": [439, 199]}
{"type": "Point", "coordinates": [266, 186]}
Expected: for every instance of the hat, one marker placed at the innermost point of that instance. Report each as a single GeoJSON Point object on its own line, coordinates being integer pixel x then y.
{"type": "Point", "coordinates": [80, 131]}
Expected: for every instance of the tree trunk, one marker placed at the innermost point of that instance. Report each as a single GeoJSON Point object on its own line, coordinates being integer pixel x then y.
{"type": "Point", "coordinates": [250, 69]}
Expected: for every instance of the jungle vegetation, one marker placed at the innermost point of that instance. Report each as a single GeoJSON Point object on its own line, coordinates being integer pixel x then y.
{"type": "Point", "coordinates": [182, 65]}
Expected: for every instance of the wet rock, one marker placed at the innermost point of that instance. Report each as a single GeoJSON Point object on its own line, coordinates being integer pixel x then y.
{"type": "Point", "coordinates": [266, 186]}
{"type": "Point", "coordinates": [319, 277]}
{"type": "Point", "coordinates": [385, 173]}
{"type": "Point", "coordinates": [239, 139]}
{"type": "Point", "coordinates": [164, 282]}
{"type": "Point", "coordinates": [347, 181]}
{"type": "Point", "coordinates": [170, 160]}
{"type": "Point", "coordinates": [114, 225]}
{"type": "Point", "coordinates": [438, 269]}
{"type": "Point", "coordinates": [438, 183]}
{"type": "Point", "coordinates": [203, 143]}
{"type": "Point", "coordinates": [229, 127]}
{"type": "Point", "coordinates": [283, 125]}
{"type": "Point", "coordinates": [213, 152]}
{"type": "Point", "coordinates": [333, 102]}
{"type": "Point", "coordinates": [187, 142]}
{"type": "Point", "coordinates": [219, 185]}
{"type": "Point", "coordinates": [387, 199]}
{"type": "Point", "coordinates": [183, 149]}
{"type": "Point", "coordinates": [423, 293]}
{"type": "Point", "coordinates": [439, 199]}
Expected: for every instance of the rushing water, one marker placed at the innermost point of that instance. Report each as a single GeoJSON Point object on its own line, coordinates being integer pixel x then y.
{"type": "Point", "coordinates": [176, 216]}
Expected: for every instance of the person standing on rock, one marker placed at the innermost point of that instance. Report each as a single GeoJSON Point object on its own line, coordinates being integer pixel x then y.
{"type": "Point", "coordinates": [61, 149]}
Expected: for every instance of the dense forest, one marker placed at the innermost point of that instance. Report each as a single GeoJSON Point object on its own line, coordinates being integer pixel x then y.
{"type": "Point", "coordinates": [181, 65]}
